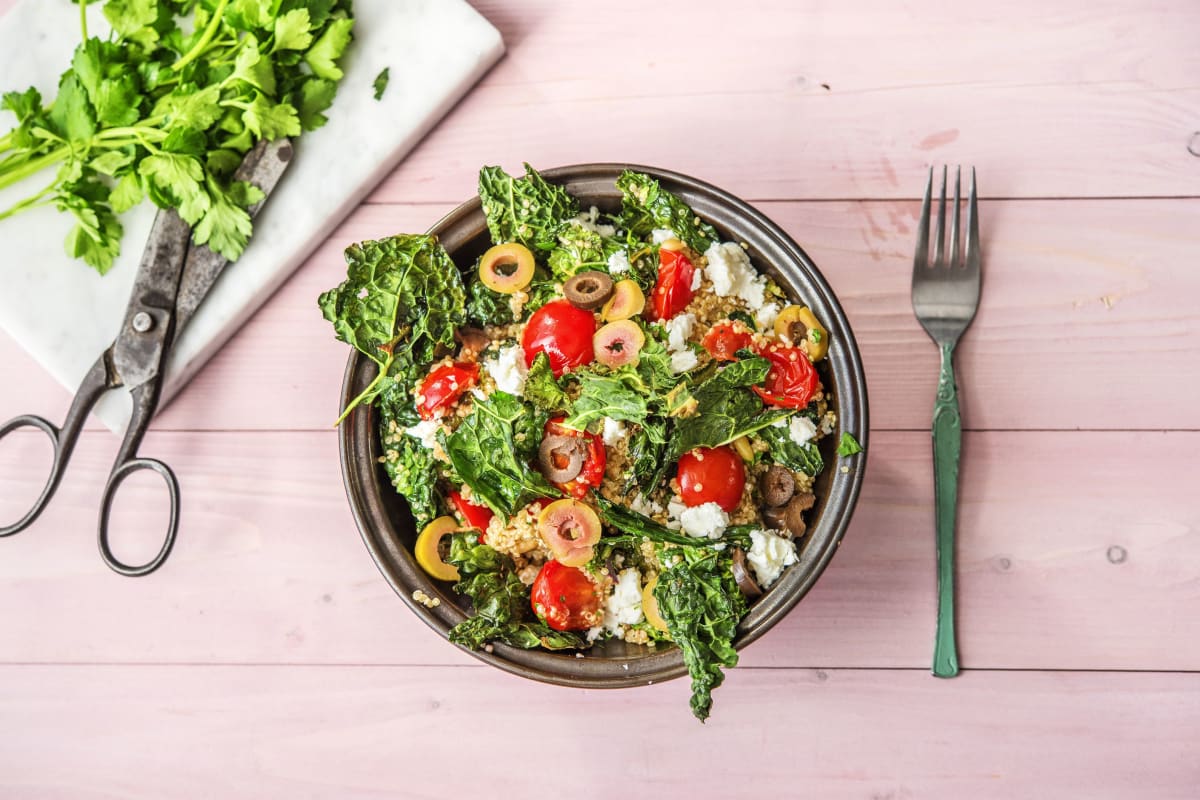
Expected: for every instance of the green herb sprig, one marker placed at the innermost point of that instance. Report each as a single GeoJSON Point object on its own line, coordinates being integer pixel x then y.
{"type": "Point", "coordinates": [156, 112]}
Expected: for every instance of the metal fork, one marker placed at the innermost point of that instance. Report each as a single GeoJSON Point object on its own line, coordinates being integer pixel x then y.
{"type": "Point", "coordinates": [945, 295]}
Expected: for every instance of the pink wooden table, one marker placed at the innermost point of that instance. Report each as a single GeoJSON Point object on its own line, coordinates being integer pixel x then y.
{"type": "Point", "coordinates": [269, 658]}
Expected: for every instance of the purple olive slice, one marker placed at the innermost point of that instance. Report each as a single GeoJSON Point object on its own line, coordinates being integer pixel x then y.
{"type": "Point", "coordinates": [588, 290]}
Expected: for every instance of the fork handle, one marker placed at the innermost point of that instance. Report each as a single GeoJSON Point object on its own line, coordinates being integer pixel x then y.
{"type": "Point", "coordinates": [947, 442]}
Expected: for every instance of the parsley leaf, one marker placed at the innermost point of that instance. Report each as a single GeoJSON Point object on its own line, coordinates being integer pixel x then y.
{"type": "Point", "coordinates": [381, 82]}
{"type": "Point", "coordinates": [323, 55]}
{"type": "Point", "coordinates": [848, 445]}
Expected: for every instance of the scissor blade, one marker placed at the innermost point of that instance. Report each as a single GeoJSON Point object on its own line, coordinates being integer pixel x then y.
{"type": "Point", "coordinates": [263, 166]}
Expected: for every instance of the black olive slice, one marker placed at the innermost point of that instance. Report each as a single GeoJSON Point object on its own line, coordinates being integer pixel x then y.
{"type": "Point", "coordinates": [777, 486]}
{"type": "Point", "coordinates": [741, 574]}
{"type": "Point", "coordinates": [588, 290]}
{"type": "Point", "coordinates": [561, 457]}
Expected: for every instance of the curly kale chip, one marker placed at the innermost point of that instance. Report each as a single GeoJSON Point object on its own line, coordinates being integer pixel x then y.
{"type": "Point", "coordinates": [645, 205]}
{"type": "Point", "coordinates": [527, 210]}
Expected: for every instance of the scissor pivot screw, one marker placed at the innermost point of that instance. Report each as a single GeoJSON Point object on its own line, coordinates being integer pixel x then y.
{"type": "Point", "coordinates": [142, 322]}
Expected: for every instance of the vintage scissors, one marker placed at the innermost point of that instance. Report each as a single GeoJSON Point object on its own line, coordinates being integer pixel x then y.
{"type": "Point", "coordinates": [171, 282]}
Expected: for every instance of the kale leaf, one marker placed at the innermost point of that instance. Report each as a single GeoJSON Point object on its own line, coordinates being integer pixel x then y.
{"type": "Point", "coordinates": [541, 387]}
{"type": "Point", "coordinates": [500, 601]}
{"type": "Point", "coordinates": [401, 289]}
{"type": "Point", "coordinates": [485, 307]}
{"type": "Point", "coordinates": [527, 210]}
{"type": "Point", "coordinates": [410, 467]}
{"type": "Point", "coordinates": [726, 408]}
{"type": "Point", "coordinates": [580, 249]}
{"type": "Point", "coordinates": [702, 605]}
{"type": "Point", "coordinates": [484, 452]}
{"type": "Point", "coordinates": [638, 526]}
{"type": "Point", "coordinates": [804, 458]}
{"type": "Point", "coordinates": [645, 205]}
{"type": "Point", "coordinates": [619, 395]}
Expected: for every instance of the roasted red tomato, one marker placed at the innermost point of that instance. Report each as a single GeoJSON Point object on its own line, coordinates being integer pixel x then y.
{"type": "Point", "coordinates": [673, 291]}
{"type": "Point", "coordinates": [725, 338]}
{"type": "Point", "coordinates": [565, 598]}
{"type": "Point", "coordinates": [476, 517]}
{"type": "Point", "coordinates": [444, 386]}
{"type": "Point", "coordinates": [792, 381]}
{"type": "Point", "coordinates": [712, 475]}
{"type": "Point", "coordinates": [561, 331]}
{"type": "Point", "coordinates": [592, 473]}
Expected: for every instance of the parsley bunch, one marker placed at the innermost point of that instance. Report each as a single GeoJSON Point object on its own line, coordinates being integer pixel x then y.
{"type": "Point", "coordinates": [167, 106]}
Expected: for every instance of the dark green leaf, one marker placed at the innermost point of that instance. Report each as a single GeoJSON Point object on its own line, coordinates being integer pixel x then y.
{"type": "Point", "coordinates": [804, 458]}
{"type": "Point", "coordinates": [645, 206]}
{"type": "Point", "coordinates": [410, 467]}
{"type": "Point", "coordinates": [541, 387]}
{"type": "Point", "coordinates": [619, 395]}
{"type": "Point", "coordinates": [726, 408]}
{"type": "Point", "coordinates": [527, 210]}
{"type": "Point", "coordinates": [381, 82]}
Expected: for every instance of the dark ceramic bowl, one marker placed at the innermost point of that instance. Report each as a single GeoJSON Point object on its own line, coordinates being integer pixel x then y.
{"type": "Point", "coordinates": [387, 528]}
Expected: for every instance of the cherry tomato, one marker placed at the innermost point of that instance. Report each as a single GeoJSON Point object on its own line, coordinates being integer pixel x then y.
{"type": "Point", "coordinates": [561, 331]}
{"type": "Point", "coordinates": [565, 598]}
{"type": "Point", "coordinates": [792, 380]}
{"type": "Point", "coordinates": [725, 338]}
{"type": "Point", "coordinates": [592, 474]}
{"type": "Point", "coordinates": [476, 517]}
{"type": "Point", "coordinates": [444, 386]}
{"type": "Point", "coordinates": [712, 475]}
{"type": "Point", "coordinates": [673, 291]}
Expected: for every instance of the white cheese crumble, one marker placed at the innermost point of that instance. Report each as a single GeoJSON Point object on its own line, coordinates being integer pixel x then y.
{"type": "Point", "coordinates": [683, 361]}
{"type": "Point", "coordinates": [618, 262]}
{"type": "Point", "coordinates": [765, 316]}
{"type": "Point", "coordinates": [706, 521]}
{"type": "Point", "coordinates": [624, 606]}
{"type": "Point", "coordinates": [643, 506]}
{"type": "Point", "coordinates": [769, 554]}
{"type": "Point", "coordinates": [697, 279]}
{"type": "Point", "coordinates": [426, 431]}
{"type": "Point", "coordinates": [731, 273]}
{"type": "Point", "coordinates": [679, 328]}
{"type": "Point", "coordinates": [614, 431]}
{"type": "Point", "coordinates": [660, 235]}
{"type": "Point", "coordinates": [508, 369]}
{"type": "Point", "coordinates": [675, 508]}
{"type": "Point", "coordinates": [589, 221]}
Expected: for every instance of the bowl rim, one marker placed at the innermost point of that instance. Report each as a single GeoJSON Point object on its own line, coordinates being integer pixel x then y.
{"type": "Point", "coordinates": [361, 474]}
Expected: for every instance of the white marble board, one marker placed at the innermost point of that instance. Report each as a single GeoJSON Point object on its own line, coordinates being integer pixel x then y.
{"type": "Point", "coordinates": [64, 314]}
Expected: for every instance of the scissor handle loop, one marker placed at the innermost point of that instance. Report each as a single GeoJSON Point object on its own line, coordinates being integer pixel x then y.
{"type": "Point", "coordinates": [114, 481]}
{"type": "Point", "coordinates": [52, 431]}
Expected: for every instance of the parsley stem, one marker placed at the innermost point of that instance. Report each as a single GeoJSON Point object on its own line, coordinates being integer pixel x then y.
{"type": "Point", "coordinates": [29, 202]}
{"type": "Point", "coordinates": [83, 17]}
{"type": "Point", "coordinates": [198, 48]}
{"type": "Point", "coordinates": [34, 166]}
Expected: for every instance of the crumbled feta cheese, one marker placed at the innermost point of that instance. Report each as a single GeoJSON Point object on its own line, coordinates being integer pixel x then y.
{"type": "Point", "coordinates": [660, 235]}
{"type": "Point", "coordinates": [508, 369]}
{"type": "Point", "coordinates": [614, 431]}
{"type": "Point", "coordinates": [683, 361]}
{"type": "Point", "coordinates": [706, 521]}
{"type": "Point", "coordinates": [697, 279]}
{"type": "Point", "coordinates": [643, 506]}
{"type": "Point", "coordinates": [765, 316]}
{"type": "Point", "coordinates": [731, 273]}
{"type": "Point", "coordinates": [618, 262]}
{"type": "Point", "coordinates": [801, 430]}
{"type": "Point", "coordinates": [769, 554]}
{"type": "Point", "coordinates": [426, 431]}
{"type": "Point", "coordinates": [624, 606]}
{"type": "Point", "coordinates": [679, 328]}
{"type": "Point", "coordinates": [675, 508]}
{"type": "Point", "coordinates": [589, 221]}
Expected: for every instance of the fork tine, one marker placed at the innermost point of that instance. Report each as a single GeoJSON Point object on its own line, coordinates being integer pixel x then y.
{"type": "Point", "coordinates": [939, 251]}
{"type": "Point", "coordinates": [921, 260]}
{"type": "Point", "coordinates": [954, 250]}
{"type": "Point", "coordinates": [973, 255]}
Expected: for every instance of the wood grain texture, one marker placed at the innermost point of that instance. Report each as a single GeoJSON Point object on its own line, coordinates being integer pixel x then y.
{"type": "Point", "coordinates": [419, 733]}
{"type": "Point", "coordinates": [1074, 553]}
{"type": "Point", "coordinates": [844, 100]}
{"type": "Point", "coordinates": [1076, 295]}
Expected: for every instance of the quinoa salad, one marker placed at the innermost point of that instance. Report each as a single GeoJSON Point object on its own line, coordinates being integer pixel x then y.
{"type": "Point", "coordinates": [605, 425]}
